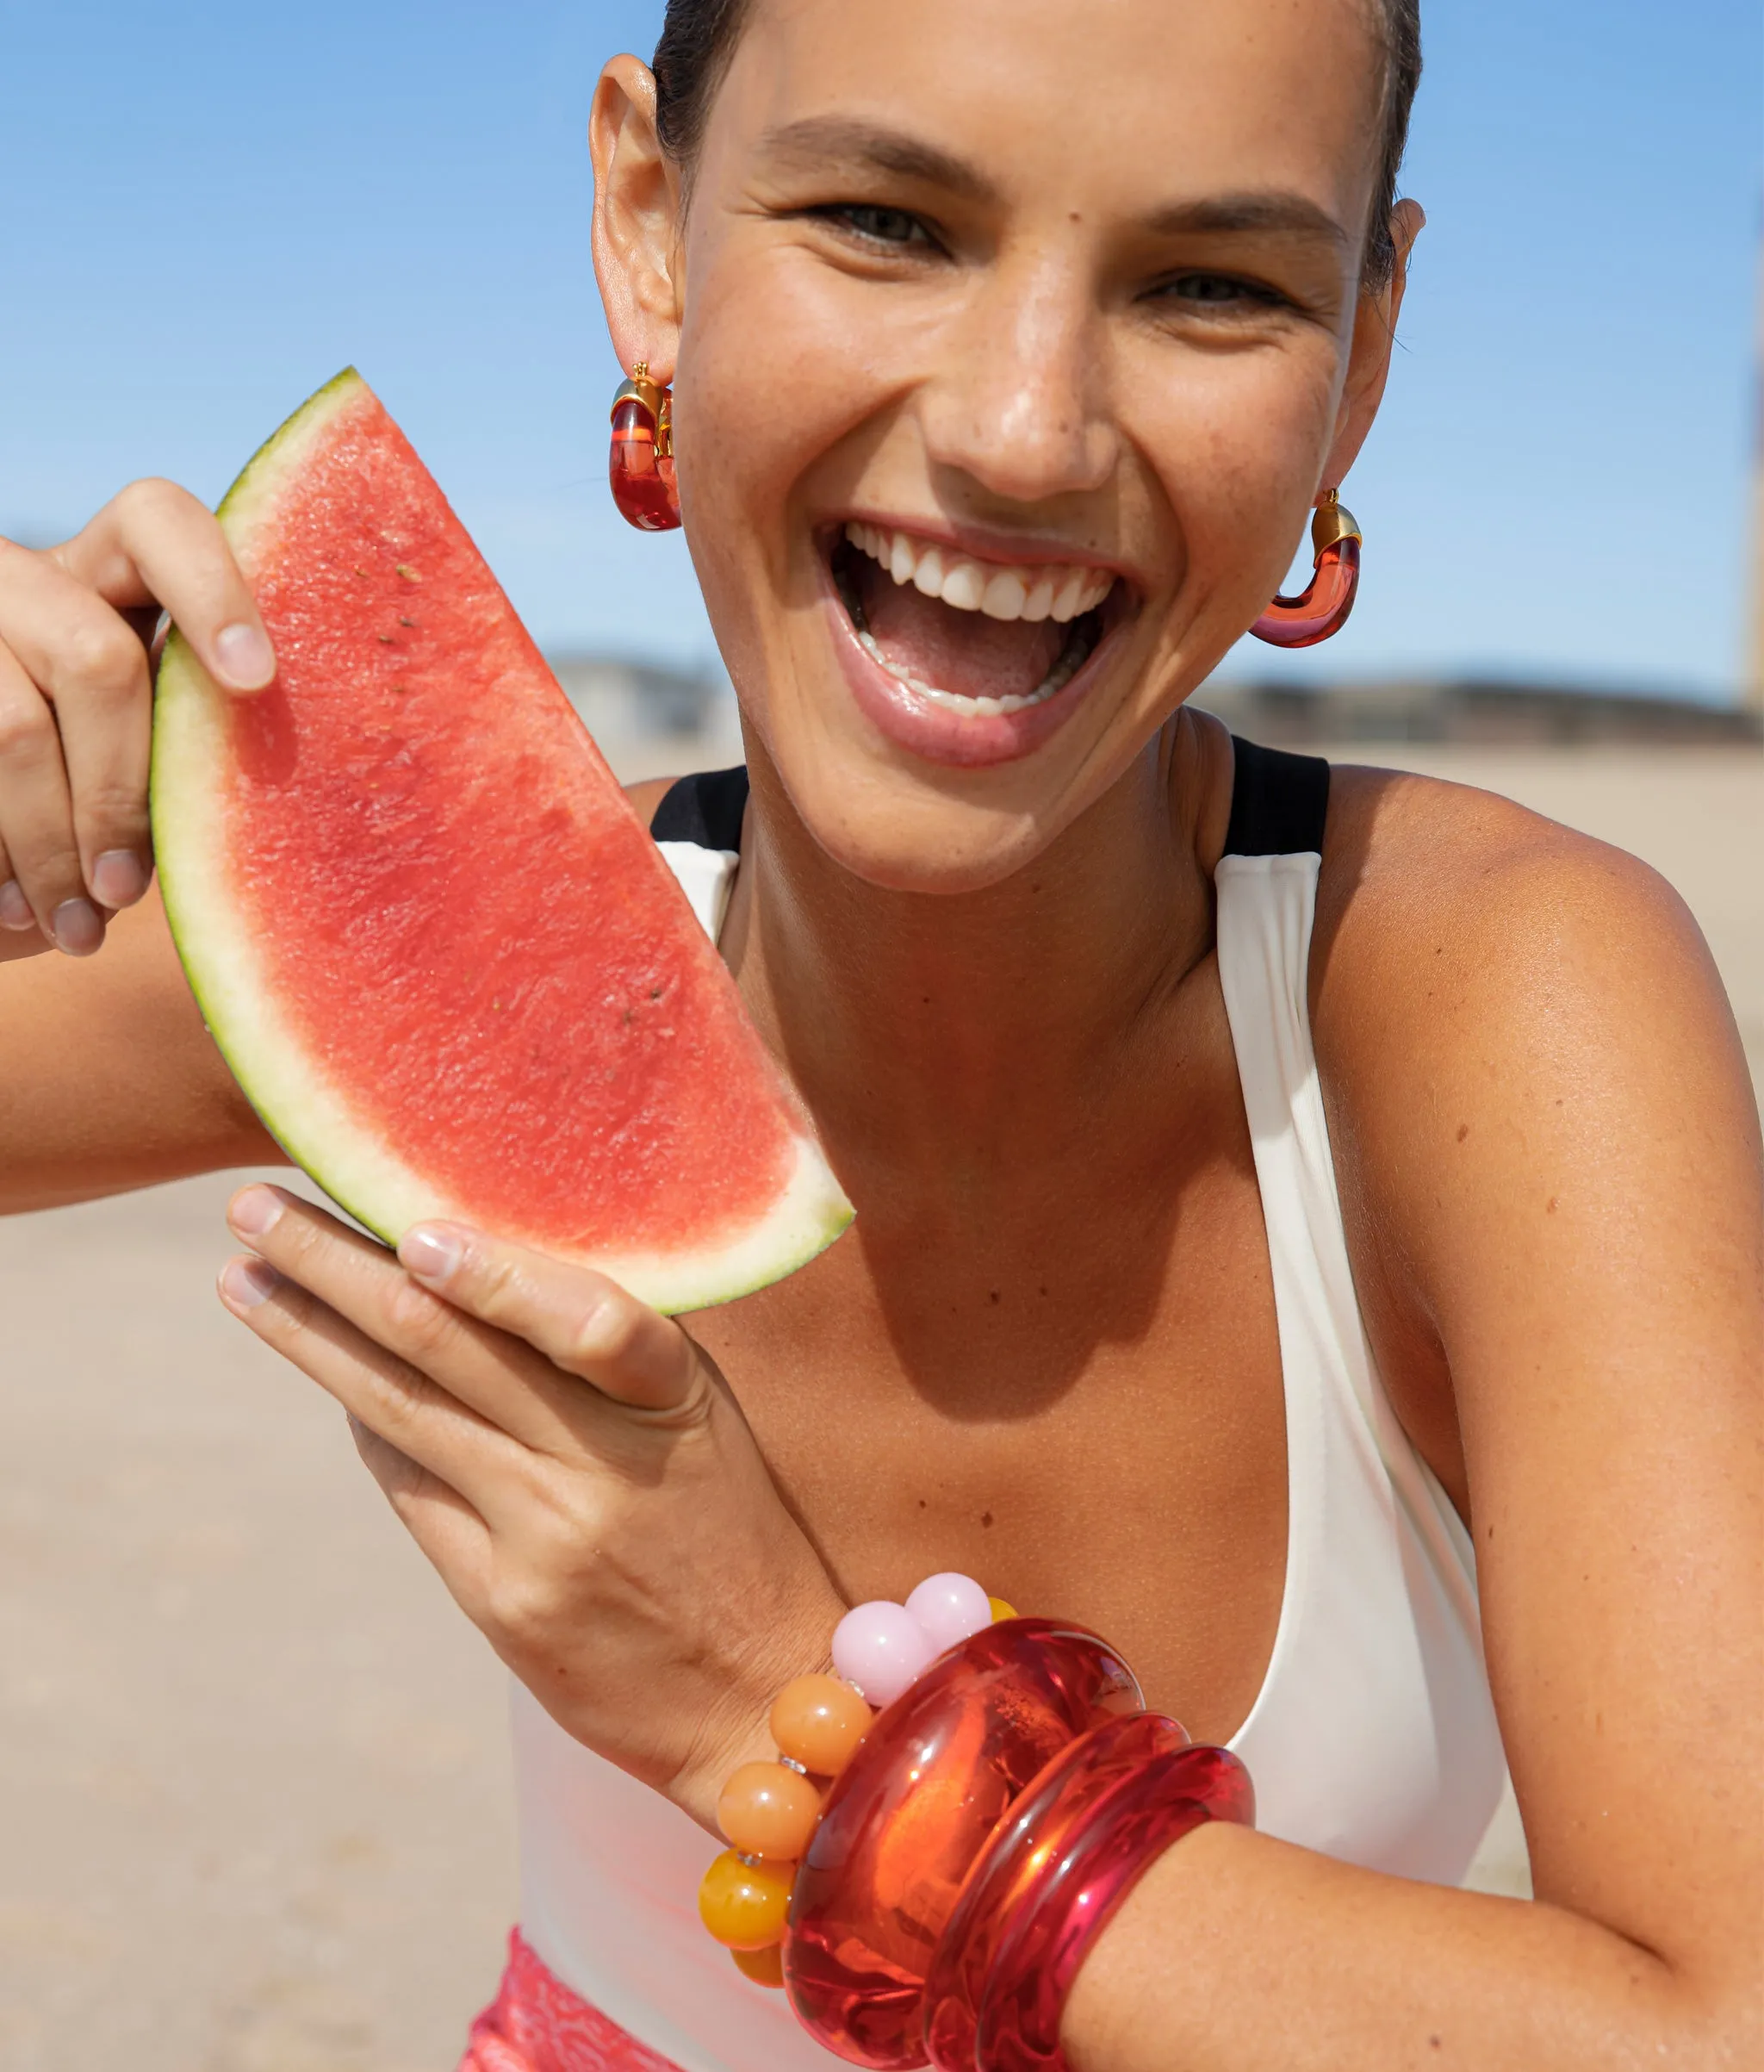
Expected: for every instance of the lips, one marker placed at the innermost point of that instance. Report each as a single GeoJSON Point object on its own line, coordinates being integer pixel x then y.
{"type": "Point", "coordinates": [961, 659]}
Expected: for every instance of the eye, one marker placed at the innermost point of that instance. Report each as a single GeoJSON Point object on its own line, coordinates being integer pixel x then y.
{"type": "Point", "coordinates": [876, 224]}
{"type": "Point", "coordinates": [1218, 291]}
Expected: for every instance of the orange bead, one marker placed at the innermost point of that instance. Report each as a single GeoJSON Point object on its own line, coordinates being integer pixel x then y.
{"type": "Point", "coordinates": [764, 1967]}
{"type": "Point", "coordinates": [1001, 1610]}
{"type": "Point", "coordinates": [818, 1722]}
{"type": "Point", "coordinates": [744, 1905]}
{"type": "Point", "coordinates": [767, 1810]}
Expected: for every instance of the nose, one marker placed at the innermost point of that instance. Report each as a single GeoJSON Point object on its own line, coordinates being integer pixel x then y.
{"type": "Point", "coordinates": [1021, 403]}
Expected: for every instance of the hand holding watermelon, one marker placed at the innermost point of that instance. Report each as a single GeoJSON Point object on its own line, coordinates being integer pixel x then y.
{"type": "Point", "coordinates": [76, 703]}
{"type": "Point", "coordinates": [572, 1465]}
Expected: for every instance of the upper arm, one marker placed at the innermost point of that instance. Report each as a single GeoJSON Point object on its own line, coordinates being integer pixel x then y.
{"type": "Point", "coordinates": [111, 1079]}
{"type": "Point", "coordinates": [1552, 1135]}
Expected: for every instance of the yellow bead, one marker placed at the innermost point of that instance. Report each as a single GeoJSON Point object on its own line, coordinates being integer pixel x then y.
{"type": "Point", "coordinates": [745, 1905]}
{"type": "Point", "coordinates": [764, 1967]}
{"type": "Point", "coordinates": [1001, 1610]}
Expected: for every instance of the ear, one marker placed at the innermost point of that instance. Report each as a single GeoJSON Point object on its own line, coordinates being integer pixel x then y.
{"type": "Point", "coordinates": [637, 220]}
{"type": "Point", "coordinates": [1369, 356]}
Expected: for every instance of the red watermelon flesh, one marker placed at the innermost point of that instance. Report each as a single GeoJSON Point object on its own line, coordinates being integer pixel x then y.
{"type": "Point", "coordinates": [442, 955]}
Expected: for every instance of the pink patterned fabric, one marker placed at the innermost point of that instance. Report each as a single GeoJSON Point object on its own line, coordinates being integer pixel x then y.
{"type": "Point", "coordinates": [536, 2025]}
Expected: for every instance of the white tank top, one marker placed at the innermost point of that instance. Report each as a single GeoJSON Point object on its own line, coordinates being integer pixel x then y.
{"type": "Point", "coordinates": [1373, 1738]}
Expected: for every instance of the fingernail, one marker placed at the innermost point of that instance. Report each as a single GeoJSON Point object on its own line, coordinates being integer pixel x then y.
{"type": "Point", "coordinates": [15, 909]}
{"type": "Point", "coordinates": [118, 879]}
{"type": "Point", "coordinates": [77, 927]}
{"type": "Point", "coordinates": [246, 1282]}
{"type": "Point", "coordinates": [254, 1211]}
{"type": "Point", "coordinates": [246, 659]}
{"type": "Point", "coordinates": [430, 1254]}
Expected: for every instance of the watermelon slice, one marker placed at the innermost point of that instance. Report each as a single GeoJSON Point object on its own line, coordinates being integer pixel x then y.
{"type": "Point", "coordinates": [444, 959]}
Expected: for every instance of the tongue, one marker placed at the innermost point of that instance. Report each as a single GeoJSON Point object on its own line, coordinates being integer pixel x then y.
{"type": "Point", "coordinates": [965, 652]}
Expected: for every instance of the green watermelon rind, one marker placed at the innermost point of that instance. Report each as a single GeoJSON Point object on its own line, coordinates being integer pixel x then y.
{"type": "Point", "coordinates": [311, 1119]}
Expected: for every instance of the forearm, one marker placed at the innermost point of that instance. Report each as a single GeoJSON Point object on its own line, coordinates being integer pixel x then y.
{"type": "Point", "coordinates": [1239, 1953]}
{"type": "Point", "coordinates": [107, 1078]}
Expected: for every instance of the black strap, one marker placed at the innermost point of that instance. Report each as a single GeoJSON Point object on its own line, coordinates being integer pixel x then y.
{"type": "Point", "coordinates": [1279, 802]}
{"type": "Point", "coordinates": [706, 809]}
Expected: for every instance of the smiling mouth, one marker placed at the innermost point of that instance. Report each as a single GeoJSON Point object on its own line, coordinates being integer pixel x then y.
{"type": "Point", "coordinates": [978, 638]}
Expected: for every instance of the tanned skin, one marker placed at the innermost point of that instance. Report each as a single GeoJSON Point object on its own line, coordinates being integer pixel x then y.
{"type": "Point", "coordinates": [1047, 1352]}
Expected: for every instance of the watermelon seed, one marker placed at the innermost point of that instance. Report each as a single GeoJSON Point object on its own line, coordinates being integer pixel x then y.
{"type": "Point", "coordinates": [407, 622]}
{"type": "Point", "coordinates": [387, 637]}
{"type": "Point", "coordinates": [363, 574]}
{"type": "Point", "coordinates": [408, 573]}
{"type": "Point", "coordinates": [654, 993]}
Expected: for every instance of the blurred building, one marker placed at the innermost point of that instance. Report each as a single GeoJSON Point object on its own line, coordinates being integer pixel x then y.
{"type": "Point", "coordinates": [621, 697]}
{"type": "Point", "coordinates": [1473, 714]}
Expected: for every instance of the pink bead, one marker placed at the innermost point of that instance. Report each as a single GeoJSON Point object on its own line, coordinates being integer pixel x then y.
{"type": "Point", "coordinates": [949, 1608]}
{"type": "Point", "coordinates": [880, 1647]}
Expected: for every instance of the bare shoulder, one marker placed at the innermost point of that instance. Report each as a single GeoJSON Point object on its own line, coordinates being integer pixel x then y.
{"type": "Point", "coordinates": [1452, 923]}
{"type": "Point", "coordinates": [646, 796]}
{"type": "Point", "coordinates": [1537, 1095]}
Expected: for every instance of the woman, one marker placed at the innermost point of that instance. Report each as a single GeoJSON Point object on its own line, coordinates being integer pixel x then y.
{"type": "Point", "coordinates": [1146, 1319]}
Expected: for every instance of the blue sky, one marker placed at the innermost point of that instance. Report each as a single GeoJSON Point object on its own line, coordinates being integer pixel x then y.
{"type": "Point", "coordinates": [206, 210]}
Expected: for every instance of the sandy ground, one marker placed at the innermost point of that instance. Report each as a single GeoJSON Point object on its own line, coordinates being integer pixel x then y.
{"type": "Point", "coordinates": [254, 1813]}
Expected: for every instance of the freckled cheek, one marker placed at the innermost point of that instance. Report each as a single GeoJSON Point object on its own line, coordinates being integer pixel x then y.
{"type": "Point", "coordinates": [1237, 444]}
{"type": "Point", "coordinates": [776, 387]}
{"type": "Point", "coordinates": [776, 377]}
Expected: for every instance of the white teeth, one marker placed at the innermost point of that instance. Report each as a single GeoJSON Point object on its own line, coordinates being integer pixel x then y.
{"type": "Point", "coordinates": [1005, 596]}
{"type": "Point", "coordinates": [1060, 592]}
{"type": "Point", "coordinates": [1066, 598]}
{"type": "Point", "coordinates": [964, 586]}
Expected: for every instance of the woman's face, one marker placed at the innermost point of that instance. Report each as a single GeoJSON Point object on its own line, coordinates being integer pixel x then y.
{"type": "Point", "coordinates": [1015, 339]}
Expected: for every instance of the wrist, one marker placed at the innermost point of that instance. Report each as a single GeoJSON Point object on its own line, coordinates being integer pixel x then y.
{"type": "Point", "coordinates": [736, 1730]}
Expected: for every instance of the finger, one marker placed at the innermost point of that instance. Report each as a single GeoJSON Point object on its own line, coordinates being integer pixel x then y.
{"type": "Point", "coordinates": [36, 817]}
{"type": "Point", "coordinates": [20, 936]}
{"type": "Point", "coordinates": [89, 665]}
{"type": "Point", "coordinates": [156, 545]}
{"type": "Point", "coordinates": [16, 915]}
{"type": "Point", "coordinates": [505, 1382]}
{"type": "Point", "coordinates": [449, 1533]}
{"type": "Point", "coordinates": [580, 1320]}
{"type": "Point", "coordinates": [399, 1404]}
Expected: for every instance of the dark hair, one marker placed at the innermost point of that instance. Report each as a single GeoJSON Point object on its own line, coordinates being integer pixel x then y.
{"type": "Point", "coordinates": [698, 40]}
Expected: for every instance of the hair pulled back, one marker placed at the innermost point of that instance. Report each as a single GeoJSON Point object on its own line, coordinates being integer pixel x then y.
{"type": "Point", "coordinates": [699, 38]}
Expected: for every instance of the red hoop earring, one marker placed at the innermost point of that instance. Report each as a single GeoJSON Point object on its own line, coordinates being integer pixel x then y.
{"type": "Point", "coordinates": [640, 463]}
{"type": "Point", "coordinates": [1322, 607]}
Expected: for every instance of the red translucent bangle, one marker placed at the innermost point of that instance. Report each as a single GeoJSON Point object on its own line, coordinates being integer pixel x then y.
{"type": "Point", "coordinates": [913, 1809]}
{"type": "Point", "coordinates": [1013, 1863]}
{"type": "Point", "coordinates": [1087, 1866]}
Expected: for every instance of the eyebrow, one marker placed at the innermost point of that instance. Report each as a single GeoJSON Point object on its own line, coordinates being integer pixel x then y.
{"type": "Point", "coordinates": [1292, 214]}
{"type": "Point", "coordinates": [815, 140]}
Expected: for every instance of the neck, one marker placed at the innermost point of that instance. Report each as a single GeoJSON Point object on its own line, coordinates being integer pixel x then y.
{"type": "Point", "coordinates": [979, 1029]}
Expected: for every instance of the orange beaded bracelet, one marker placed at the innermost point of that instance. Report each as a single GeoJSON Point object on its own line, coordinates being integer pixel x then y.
{"type": "Point", "coordinates": [768, 1811]}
